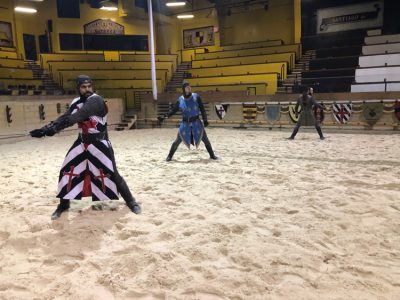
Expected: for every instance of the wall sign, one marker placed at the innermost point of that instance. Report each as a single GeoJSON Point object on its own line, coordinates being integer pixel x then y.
{"type": "Point", "coordinates": [104, 27]}
{"type": "Point", "coordinates": [349, 17]}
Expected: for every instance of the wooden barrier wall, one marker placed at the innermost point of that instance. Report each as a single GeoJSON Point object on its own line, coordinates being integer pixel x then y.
{"type": "Point", "coordinates": [25, 112]}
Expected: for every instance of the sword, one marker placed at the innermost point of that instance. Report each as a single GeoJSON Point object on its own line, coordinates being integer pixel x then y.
{"type": "Point", "coordinates": [11, 136]}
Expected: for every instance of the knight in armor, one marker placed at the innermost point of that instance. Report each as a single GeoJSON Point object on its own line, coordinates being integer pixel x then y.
{"type": "Point", "coordinates": [307, 104]}
{"type": "Point", "coordinates": [89, 168]}
{"type": "Point", "coordinates": [191, 129]}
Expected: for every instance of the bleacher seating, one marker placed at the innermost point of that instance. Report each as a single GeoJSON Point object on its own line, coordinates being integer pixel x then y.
{"type": "Point", "coordinates": [279, 67]}
{"type": "Point", "coordinates": [335, 39]}
{"type": "Point", "coordinates": [270, 79]}
{"type": "Point", "coordinates": [336, 56]}
{"type": "Point", "coordinates": [105, 83]}
{"type": "Point", "coordinates": [251, 45]}
{"type": "Point", "coordinates": [69, 57]}
{"type": "Point", "coordinates": [254, 67]}
{"type": "Point", "coordinates": [8, 53]}
{"type": "Point", "coordinates": [288, 57]}
{"type": "Point", "coordinates": [250, 51]}
{"type": "Point", "coordinates": [172, 58]}
{"type": "Point", "coordinates": [252, 88]}
{"type": "Point", "coordinates": [56, 66]}
{"type": "Point", "coordinates": [15, 77]}
{"type": "Point", "coordinates": [338, 51]}
{"type": "Point", "coordinates": [10, 72]}
{"type": "Point", "coordinates": [12, 63]}
{"type": "Point", "coordinates": [116, 74]}
{"type": "Point", "coordinates": [334, 63]}
{"type": "Point", "coordinates": [379, 66]}
{"type": "Point", "coordinates": [381, 48]}
{"type": "Point", "coordinates": [134, 68]}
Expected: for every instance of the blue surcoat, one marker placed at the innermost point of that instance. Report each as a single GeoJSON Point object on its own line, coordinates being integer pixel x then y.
{"type": "Point", "coordinates": [191, 132]}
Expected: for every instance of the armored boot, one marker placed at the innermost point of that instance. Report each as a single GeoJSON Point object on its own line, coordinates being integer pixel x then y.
{"type": "Point", "coordinates": [321, 136]}
{"type": "Point", "coordinates": [173, 149]}
{"type": "Point", "coordinates": [295, 130]}
{"type": "Point", "coordinates": [128, 197]}
{"type": "Point", "coordinates": [211, 151]}
{"type": "Point", "coordinates": [63, 206]}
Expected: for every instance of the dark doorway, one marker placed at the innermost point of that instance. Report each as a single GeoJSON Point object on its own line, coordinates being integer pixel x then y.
{"type": "Point", "coordinates": [44, 44]}
{"type": "Point", "coordinates": [30, 47]}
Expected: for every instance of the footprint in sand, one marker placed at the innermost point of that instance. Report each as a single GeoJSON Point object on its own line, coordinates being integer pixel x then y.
{"type": "Point", "coordinates": [223, 251]}
{"type": "Point", "coordinates": [276, 233]}
{"type": "Point", "coordinates": [166, 236]}
{"type": "Point", "coordinates": [290, 279]}
{"type": "Point", "coordinates": [292, 212]}
{"type": "Point", "coordinates": [188, 233]}
{"type": "Point", "coordinates": [126, 234]}
{"type": "Point", "coordinates": [157, 222]}
{"type": "Point", "coordinates": [235, 199]}
{"type": "Point", "coordinates": [69, 268]}
{"type": "Point", "coordinates": [38, 227]}
{"type": "Point", "coordinates": [329, 234]}
{"type": "Point", "coordinates": [4, 236]}
{"type": "Point", "coordinates": [261, 216]}
{"type": "Point", "coordinates": [239, 229]}
{"type": "Point", "coordinates": [172, 203]}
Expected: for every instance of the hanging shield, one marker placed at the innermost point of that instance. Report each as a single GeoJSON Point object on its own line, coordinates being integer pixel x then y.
{"type": "Point", "coordinates": [221, 110]}
{"type": "Point", "coordinates": [342, 112]}
{"type": "Point", "coordinates": [260, 108]}
{"type": "Point", "coordinates": [249, 112]}
{"type": "Point", "coordinates": [292, 113]}
{"type": "Point", "coordinates": [273, 112]}
{"type": "Point", "coordinates": [372, 112]}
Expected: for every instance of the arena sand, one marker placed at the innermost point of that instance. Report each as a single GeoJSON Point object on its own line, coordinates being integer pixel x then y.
{"type": "Point", "coordinates": [273, 219]}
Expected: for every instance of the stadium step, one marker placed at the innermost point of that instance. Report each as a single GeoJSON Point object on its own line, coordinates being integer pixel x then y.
{"type": "Point", "coordinates": [178, 77]}
{"type": "Point", "coordinates": [38, 73]}
{"type": "Point", "coordinates": [284, 90]}
{"type": "Point", "coordinates": [128, 122]}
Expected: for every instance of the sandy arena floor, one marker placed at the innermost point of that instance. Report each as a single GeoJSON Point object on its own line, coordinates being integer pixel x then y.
{"type": "Point", "coordinates": [274, 219]}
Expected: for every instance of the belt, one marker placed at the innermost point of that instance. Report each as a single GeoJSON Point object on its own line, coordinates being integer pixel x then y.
{"type": "Point", "coordinates": [90, 138]}
{"type": "Point", "coordinates": [190, 119]}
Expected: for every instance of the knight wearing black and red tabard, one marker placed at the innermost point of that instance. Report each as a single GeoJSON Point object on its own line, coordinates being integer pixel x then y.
{"type": "Point", "coordinates": [89, 167]}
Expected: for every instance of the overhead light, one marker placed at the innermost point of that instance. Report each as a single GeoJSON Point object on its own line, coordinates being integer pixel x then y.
{"type": "Point", "coordinates": [185, 17]}
{"type": "Point", "coordinates": [109, 8]}
{"type": "Point", "coordinates": [108, 5]}
{"type": "Point", "coordinates": [176, 3]}
{"type": "Point", "coordinates": [25, 10]}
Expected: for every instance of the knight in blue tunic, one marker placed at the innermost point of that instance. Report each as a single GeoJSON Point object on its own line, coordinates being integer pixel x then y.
{"type": "Point", "coordinates": [191, 129]}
